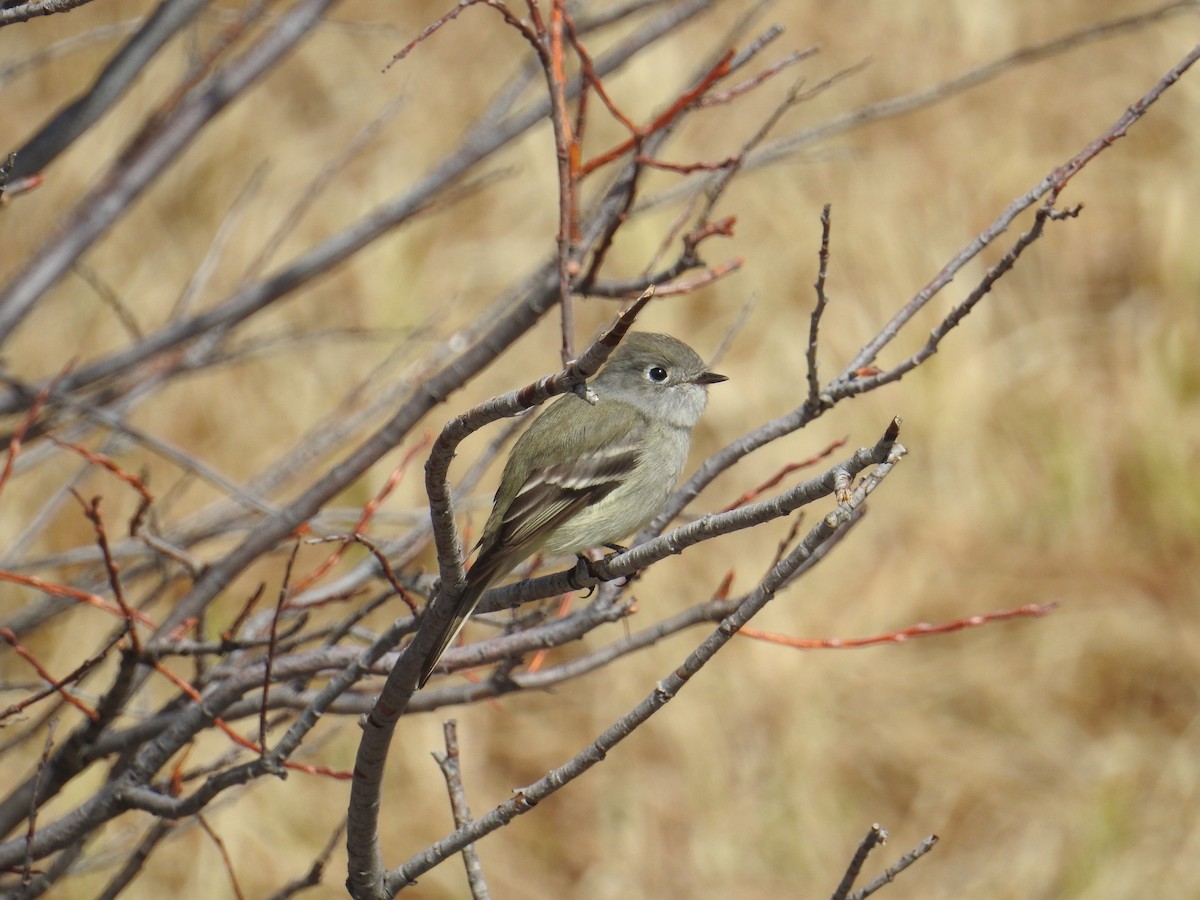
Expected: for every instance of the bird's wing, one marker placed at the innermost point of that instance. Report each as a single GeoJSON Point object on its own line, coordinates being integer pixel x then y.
{"type": "Point", "coordinates": [555, 493]}
{"type": "Point", "coordinates": [562, 481]}
{"type": "Point", "coordinates": [548, 487]}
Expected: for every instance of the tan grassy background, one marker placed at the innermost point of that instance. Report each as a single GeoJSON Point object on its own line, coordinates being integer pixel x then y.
{"type": "Point", "coordinates": [1053, 455]}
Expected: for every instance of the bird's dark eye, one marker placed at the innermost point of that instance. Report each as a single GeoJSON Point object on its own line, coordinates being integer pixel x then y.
{"type": "Point", "coordinates": [657, 373]}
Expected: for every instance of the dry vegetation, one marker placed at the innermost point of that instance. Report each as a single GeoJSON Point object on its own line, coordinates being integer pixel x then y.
{"type": "Point", "coordinates": [1053, 453]}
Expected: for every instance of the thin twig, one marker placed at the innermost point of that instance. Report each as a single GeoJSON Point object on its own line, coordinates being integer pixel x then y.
{"type": "Point", "coordinates": [829, 529]}
{"type": "Point", "coordinates": [814, 322]}
{"type": "Point", "coordinates": [448, 762]}
{"type": "Point", "coordinates": [893, 870]}
{"type": "Point", "coordinates": [875, 837]}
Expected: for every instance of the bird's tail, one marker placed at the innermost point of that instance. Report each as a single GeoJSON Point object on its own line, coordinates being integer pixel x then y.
{"type": "Point", "coordinates": [487, 569]}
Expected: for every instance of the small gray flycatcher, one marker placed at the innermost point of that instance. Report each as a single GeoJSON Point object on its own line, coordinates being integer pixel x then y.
{"type": "Point", "coordinates": [586, 474]}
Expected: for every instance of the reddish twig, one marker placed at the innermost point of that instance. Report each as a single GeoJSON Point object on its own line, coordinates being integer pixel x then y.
{"type": "Point", "coordinates": [239, 740]}
{"type": "Point", "coordinates": [195, 696]}
{"type": "Point", "coordinates": [62, 590]}
{"type": "Point", "coordinates": [724, 175]}
{"type": "Point", "coordinates": [368, 513]}
{"type": "Point", "coordinates": [59, 687]}
{"type": "Point", "coordinates": [687, 168]}
{"type": "Point", "coordinates": [566, 151]}
{"type": "Point", "coordinates": [682, 103]}
{"type": "Point", "coordinates": [80, 671]}
{"type": "Point", "coordinates": [708, 276]}
{"type": "Point", "coordinates": [564, 606]}
{"type": "Point", "coordinates": [106, 462]}
{"type": "Point", "coordinates": [388, 572]}
{"type": "Point", "coordinates": [91, 509]}
{"type": "Point", "coordinates": [177, 632]}
{"type": "Point", "coordinates": [325, 771]}
{"type": "Point", "coordinates": [693, 239]}
{"type": "Point", "coordinates": [922, 629]}
{"type": "Point", "coordinates": [723, 589]}
{"type": "Point", "coordinates": [591, 77]}
{"type": "Point", "coordinates": [22, 429]}
{"type": "Point", "coordinates": [787, 470]}
{"type": "Point", "coordinates": [788, 539]}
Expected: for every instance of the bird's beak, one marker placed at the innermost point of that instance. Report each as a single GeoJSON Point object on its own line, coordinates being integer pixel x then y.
{"type": "Point", "coordinates": [709, 378]}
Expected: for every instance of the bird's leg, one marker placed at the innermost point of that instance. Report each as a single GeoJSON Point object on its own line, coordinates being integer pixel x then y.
{"type": "Point", "coordinates": [582, 576]}
{"type": "Point", "coordinates": [585, 575]}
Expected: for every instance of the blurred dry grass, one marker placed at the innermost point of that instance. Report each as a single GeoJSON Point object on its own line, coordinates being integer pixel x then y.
{"type": "Point", "coordinates": [1053, 456]}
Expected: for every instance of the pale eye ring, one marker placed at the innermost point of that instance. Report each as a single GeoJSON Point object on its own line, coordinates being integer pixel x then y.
{"type": "Point", "coordinates": [657, 373]}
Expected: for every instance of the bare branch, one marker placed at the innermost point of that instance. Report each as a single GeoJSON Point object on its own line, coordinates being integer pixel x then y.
{"type": "Point", "coordinates": [452, 772]}
{"type": "Point", "coordinates": [875, 837]}
{"type": "Point", "coordinates": [806, 554]}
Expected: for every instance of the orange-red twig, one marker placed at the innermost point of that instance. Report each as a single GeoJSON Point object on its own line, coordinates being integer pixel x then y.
{"type": "Point", "coordinates": [689, 168]}
{"type": "Point", "coordinates": [723, 589]}
{"type": "Point", "coordinates": [243, 742]}
{"type": "Point", "coordinates": [100, 459]}
{"type": "Point", "coordinates": [782, 474]}
{"type": "Point", "coordinates": [187, 688]}
{"type": "Point", "coordinates": [339, 774]}
{"type": "Point", "coordinates": [592, 77]}
{"type": "Point", "coordinates": [91, 509]}
{"type": "Point", "coordinates": [708, 276]}
{"type": "Point", "coordinates": [723, 227]}
{"type": "Point", "coordinates": [22, 429]}
{"type": "Point", "coordinates": [80, 671]}
{"type": "Point", "coordinates": [177, 633]}
{"type": "Point", "coordinates": [922, 629]}
{"type": "Point", "coordinates": [23, 652]}
{"type": "Point", "coordinates": [364, 519]}
{"type": "Point", "coordinates": [564, 606]}
{"type": "Point", "coordinates": [388, 572]}
{"type": "Point", "coordinates": [558, 69]}
{"type": "Point", "coordinates": [62, 590]}
{"type": "Point", "coordinates": [715, 74]}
